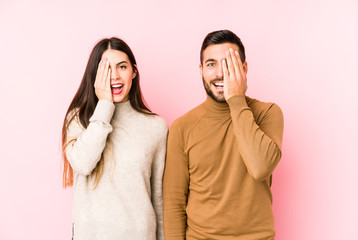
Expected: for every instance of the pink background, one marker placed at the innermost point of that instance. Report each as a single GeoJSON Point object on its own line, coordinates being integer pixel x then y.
{"type": "Point", "coordinates": [301, 55]}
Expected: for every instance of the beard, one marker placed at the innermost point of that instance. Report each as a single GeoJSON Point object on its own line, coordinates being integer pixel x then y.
{"type": "Point", "coordinates": [220, 98]}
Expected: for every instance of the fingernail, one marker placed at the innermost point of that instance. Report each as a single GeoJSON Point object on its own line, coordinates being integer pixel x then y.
{"type": "Point", "coordinates": [237, 53]}
{"type": "Point", "coordinates": [231, 50]}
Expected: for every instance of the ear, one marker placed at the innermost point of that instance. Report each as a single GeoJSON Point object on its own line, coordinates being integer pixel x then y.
{"type": "Point", "coordinates": [244, 66]}
{"type": "Point", "coordinates": [134, 71]}
{"type": "Point", "coordinates": [201, 69]}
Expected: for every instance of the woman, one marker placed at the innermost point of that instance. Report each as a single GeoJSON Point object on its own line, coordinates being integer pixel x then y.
{"type": "Point", "coordinates": [114, 151]}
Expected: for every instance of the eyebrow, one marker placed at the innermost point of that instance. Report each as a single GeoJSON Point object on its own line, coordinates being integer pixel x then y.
{"type": "Point", "coordinates": [210, 60]}
{"type": "Point", "coordinates": [121, 63]}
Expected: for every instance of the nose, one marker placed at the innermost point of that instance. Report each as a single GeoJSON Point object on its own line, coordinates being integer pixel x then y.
{"type": "Point", "coordinates": [114, 74]}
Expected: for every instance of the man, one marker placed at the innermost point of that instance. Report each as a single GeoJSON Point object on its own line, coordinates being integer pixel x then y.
{"type": "Point", "coordinates": [221, 154]}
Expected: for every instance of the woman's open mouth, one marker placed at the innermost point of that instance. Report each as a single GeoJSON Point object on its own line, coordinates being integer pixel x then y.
{"type": "Point", "coordinates": [117, 88]}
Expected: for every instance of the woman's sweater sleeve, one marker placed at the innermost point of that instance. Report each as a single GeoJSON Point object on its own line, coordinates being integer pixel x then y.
{"type": "Point", "coordinates": [85, 146]}
{"type": "Point", "coordinates": [259, 145]}
{"type": "Point", "coordinates": [157, 179]}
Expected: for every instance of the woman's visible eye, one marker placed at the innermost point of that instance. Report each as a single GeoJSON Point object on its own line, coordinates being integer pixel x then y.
{"type": "Point", "coordinates": [122, 67]}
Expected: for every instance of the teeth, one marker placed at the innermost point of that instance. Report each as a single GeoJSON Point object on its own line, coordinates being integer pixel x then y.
{"type": "Point", "coordinates": [117, 85]}
{"type": "Point", "coordinates": [219, 84]}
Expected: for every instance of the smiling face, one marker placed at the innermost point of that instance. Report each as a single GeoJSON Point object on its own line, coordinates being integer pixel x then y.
{"type": "Point", "coordinates": [211, 69]}
{"type": "Point", "coordinates": [122, 74]}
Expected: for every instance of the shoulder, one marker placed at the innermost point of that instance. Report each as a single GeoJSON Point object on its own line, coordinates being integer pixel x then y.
{"type": "Point", "coordinates": [156, 123]}
{"type": "Point", "coordinates": [262, 109]}
{"type": "Point", "coordinates": [160, 124]}
{"type": "Point", "coordinates": [189, 119]}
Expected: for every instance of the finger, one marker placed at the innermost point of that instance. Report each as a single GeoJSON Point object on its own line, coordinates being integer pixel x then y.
{"type": "Point", "coordinates": [235, 63]}
{"type": "Point", "coordinates": [241, 68]}
{"type": "Point", "coordinates": [108, 79]}
{"type": "Point", "coordinates": [99, 72]}
{"type": "Point", "coordinates": [105, 73]}
{"type": "Point", "coordinates": [225, 71]}
{"type": "Point", "coordinates": [230, 66]}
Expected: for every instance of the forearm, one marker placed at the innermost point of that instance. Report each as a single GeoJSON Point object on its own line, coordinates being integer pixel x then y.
{"type": "Point", "coordinates": [175, 217]}
{"type": "Point", "coordinates": [157, 201]}
{"type": "Point", "coordinates": [260, 147]}
{"type": "Point", "coordinates": [85, 150]}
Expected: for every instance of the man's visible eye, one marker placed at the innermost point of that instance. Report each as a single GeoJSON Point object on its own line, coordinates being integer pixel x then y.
{"type": "Point", "coordinates": [210, 64]}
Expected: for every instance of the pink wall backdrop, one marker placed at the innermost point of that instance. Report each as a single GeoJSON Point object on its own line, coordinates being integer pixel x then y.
{"type": "Point", "coordinates": [301, 55]}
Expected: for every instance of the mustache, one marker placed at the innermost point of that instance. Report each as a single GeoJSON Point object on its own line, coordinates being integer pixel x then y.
{"type": "Point", "coordinates": [217, 79]}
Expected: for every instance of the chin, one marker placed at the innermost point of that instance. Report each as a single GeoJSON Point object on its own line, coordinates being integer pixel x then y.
{"type": "Point", "coordinates": [219, 97]}
{"type": "Point", "coordinates": [118, 99]}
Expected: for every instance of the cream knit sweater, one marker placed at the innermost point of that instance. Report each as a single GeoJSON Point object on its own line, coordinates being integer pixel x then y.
{"type": "Point", "coordinates": [127, 202]}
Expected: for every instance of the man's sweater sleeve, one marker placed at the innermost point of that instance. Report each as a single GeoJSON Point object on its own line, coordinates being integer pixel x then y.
{"type": "Point", "coordinates": [176, 186]}
{"type": "Point", "coordinates": [259, 145]}
{"type": "Point", "coordinates": [157, 178]}
{"type": "Point", "coordinates": [85, 146]}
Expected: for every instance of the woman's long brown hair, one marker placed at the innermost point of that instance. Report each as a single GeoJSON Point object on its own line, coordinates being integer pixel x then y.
{"type": "Point", "coordinates": [85, 101]}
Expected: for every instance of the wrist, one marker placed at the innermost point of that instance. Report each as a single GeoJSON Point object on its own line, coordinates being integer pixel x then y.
{"type": "Point", "coordinates": [107, 98]}
{"type": "Point", "coordinates": [233, 94]}
{"type": "Point", "coordinates": [237, 101]}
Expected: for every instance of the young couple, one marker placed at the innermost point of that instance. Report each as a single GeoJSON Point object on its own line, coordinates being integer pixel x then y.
{"type": "Point", "coordinates": [217, 162]}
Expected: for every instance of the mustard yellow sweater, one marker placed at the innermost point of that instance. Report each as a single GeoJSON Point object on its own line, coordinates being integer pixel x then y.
{"type": "Point", "coordinates": [220, 158]}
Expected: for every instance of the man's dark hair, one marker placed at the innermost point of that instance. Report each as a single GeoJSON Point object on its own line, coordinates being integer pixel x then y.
{"type": "Point", "coordinates": [222, 36]}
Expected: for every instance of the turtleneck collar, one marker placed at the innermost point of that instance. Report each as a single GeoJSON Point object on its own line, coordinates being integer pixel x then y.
{"type": "Point", "coordinates": [123, 108]}
{"type": "Point", "coordinates": [216, 107]}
